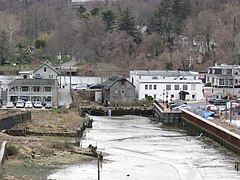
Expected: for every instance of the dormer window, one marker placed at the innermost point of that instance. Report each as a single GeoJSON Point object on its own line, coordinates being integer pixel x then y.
{"type": "Point", "coordinates": [44, 69]}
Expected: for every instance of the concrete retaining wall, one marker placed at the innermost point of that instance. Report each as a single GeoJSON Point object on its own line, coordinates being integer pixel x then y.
{"type": "Point", "coordinates": [192, 121]}
{"type": "Point", "coordinates": [225, 137]}
{"type": "Point", "coordinates": [166, 117]}
{"type": "Point", "coordinates": [11, 120]}
{"type": "Point", "coordinates": [3, 151]}
{"type": "Point", "coordinates": [118, 111]}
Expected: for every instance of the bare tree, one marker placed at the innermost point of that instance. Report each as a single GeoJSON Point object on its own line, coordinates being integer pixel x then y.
{"type": "Point", "coordinates": [10, 24]}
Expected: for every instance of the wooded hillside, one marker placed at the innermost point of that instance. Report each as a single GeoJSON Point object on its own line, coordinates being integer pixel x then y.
{"type": "Point", "coordinates": [121, 35]}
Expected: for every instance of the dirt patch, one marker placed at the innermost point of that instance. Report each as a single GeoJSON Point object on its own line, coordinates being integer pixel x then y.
{"type": "Point", "coordinates": [34, 157]}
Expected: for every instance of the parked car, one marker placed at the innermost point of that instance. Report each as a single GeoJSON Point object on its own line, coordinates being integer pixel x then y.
{"type": "Point", "coordinates": [20, 104]}
{"type": "Point", "coordinates": [61, 104]}
{"type": "Point", "coordinates": [75, 88]}
{"type": "Point", "coordinates": [96, 86]}
{"type": "Point", "coordinates": [176, 104]}
{"type": "Point", "coordinates": [182, 106]}
{"type": "Point", "coordinates": [48, 105]}
{"type": "Point", "coordinates": [28, 104]}
{"type": "Point", "coordinates": [213, 108]}
{"type": "Point", "coordinates": [10, 105]}
{"type": "Point", "coordinates": [38, 104]}
{"type": "Point", "coordinates": [219, 102]}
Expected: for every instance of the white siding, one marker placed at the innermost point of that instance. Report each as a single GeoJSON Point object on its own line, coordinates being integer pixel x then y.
{"type": "Point", "coordinates": [162, 79]}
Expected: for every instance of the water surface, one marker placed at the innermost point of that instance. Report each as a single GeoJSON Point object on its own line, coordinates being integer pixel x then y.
{"type": "Point", "coordinates": [140, 150]}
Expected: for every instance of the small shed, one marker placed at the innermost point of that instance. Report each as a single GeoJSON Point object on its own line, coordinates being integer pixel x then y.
{"type": "Point", "coordinates": [117, 89]}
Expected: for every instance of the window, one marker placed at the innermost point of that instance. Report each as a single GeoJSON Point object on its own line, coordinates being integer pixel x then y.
{"type": "Point", "coordinates": [50, 76]}
{"type": "Point", "coordinates": [221, 82]}
{"type": "Point", "coordinates": [44, 69]}
{"type": "Point", "coordinates": [176, 87]}
{"type": "Point", "coordinates": [24, 88]}
{"type": "Point", "coordinates": [48, 89]}
{"type": "Point", "coordinates": [155, 87]}
{"type": "Point", "coordinates": [36, 89]}
{"type": "Point", "coordinates": [185, 87]}
{"type": "Point", "coordinates": [154, 96]}
{"type": "Point", "coordinates": [193, 87]}
{"type": "Point", "coordinates": [168, 87]}
{"type": "Point", "coordinates": [154, 77]}
{"type": "Point", "coordinates": [146, 87]}
{"type": "Point", "coordinates": [146, 96]}
{"type": "Point", "coordinates": [150, 87]}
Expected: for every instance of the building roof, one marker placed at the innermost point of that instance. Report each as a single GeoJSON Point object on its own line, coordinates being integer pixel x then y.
{"type": "Point", "coordinates": [163, 73]}
{"type": "Point", "coordinates": [224, 66]}
{"type": "Point", "coordinates": [112, 80]}
{"type": "Point", "coordinates": [32, 82]}
{"type": "Point", "coordinates": [47, 64]}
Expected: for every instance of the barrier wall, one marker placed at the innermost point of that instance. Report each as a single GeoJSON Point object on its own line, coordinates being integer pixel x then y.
{"type": "Point", "coordinates": [11, 120]}
{"type": "Point", "coordinates": [223, 136]}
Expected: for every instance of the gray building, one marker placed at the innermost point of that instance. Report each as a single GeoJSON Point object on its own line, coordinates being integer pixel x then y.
{"type": "Point", "coordinates": [40, 85]}
{"type": "Point", "coordinates": [117, 89]}
{"type": "Point", "coordinates": [224, 75]}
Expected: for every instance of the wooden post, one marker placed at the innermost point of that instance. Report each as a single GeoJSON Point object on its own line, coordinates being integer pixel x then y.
{"type": "Point", "coordinates": [99, 160]}
{"type": "Point", "coordinates": [98, 164]}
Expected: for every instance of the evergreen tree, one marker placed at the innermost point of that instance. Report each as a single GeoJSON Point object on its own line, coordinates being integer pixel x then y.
{"type": "Point", "coordinates": [181, 9]}
{"type": "Point", "coordinates": [109, 19]}
{"type": "Point", "coordinates": [162, 20]}
{"type": "Point", "coordinates": [94, 11]}
{"type": "Point", "coordinates": [81, 9]}
{"type": "Point", "coordinates": [126, 23]}
{"type": "Point", "coordinates": [4, 47]}
{"type": "Point", "coordinates": [167, 19]}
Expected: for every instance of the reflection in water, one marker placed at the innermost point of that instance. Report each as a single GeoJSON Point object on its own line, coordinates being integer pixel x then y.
{"type": "Point", "coordinates": [140, 150]}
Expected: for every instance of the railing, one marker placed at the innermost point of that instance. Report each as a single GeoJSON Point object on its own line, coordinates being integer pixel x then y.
{"type": "Point", "coordinates": [28, 93]}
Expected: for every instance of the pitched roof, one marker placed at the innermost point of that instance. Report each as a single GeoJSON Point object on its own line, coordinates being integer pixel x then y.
{"type": "Point", "coordinates": [32, 82]}
{"type": "Point", "coordinates": [47, 64]}
{"type": "Point", "coordinates": [112, 80]}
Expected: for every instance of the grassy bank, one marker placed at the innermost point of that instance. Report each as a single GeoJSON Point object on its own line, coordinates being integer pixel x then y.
{"type": "Point", "coordinates": [35, 157]}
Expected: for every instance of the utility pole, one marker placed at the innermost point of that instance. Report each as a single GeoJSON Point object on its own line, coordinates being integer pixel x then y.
{"type": "Point", "coordinates": [60, 61]}
{"type": "Point", "coordinates": [233, 76]}
{"type": "Point", "coordinates": [70, 79]}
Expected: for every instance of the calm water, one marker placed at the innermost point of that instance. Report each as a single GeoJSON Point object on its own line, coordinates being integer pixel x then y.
{"type": "Point", "coordinates": [139, 150]}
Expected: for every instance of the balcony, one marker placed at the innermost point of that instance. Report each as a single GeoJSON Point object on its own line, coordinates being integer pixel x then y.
{"type": "Point", "coordinates": [30, 93]}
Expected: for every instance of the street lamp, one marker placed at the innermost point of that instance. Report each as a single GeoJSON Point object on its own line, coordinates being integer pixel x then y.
{"type": "Point", "coordinates": [167, 97]}
{"type": "Point", "coordinates": [163, 94]}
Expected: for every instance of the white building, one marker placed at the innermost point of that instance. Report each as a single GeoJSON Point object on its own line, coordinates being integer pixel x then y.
{"type": "Point", "coordinates": [167, 85]}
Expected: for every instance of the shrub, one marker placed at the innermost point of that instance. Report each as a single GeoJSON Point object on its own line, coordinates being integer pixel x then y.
{"type": "Point", "coordinates": [208, 84]}
{"type": "Point", "coordinates": [149, 98]}
{"type": "Point", "coordinates": [12, 150]}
